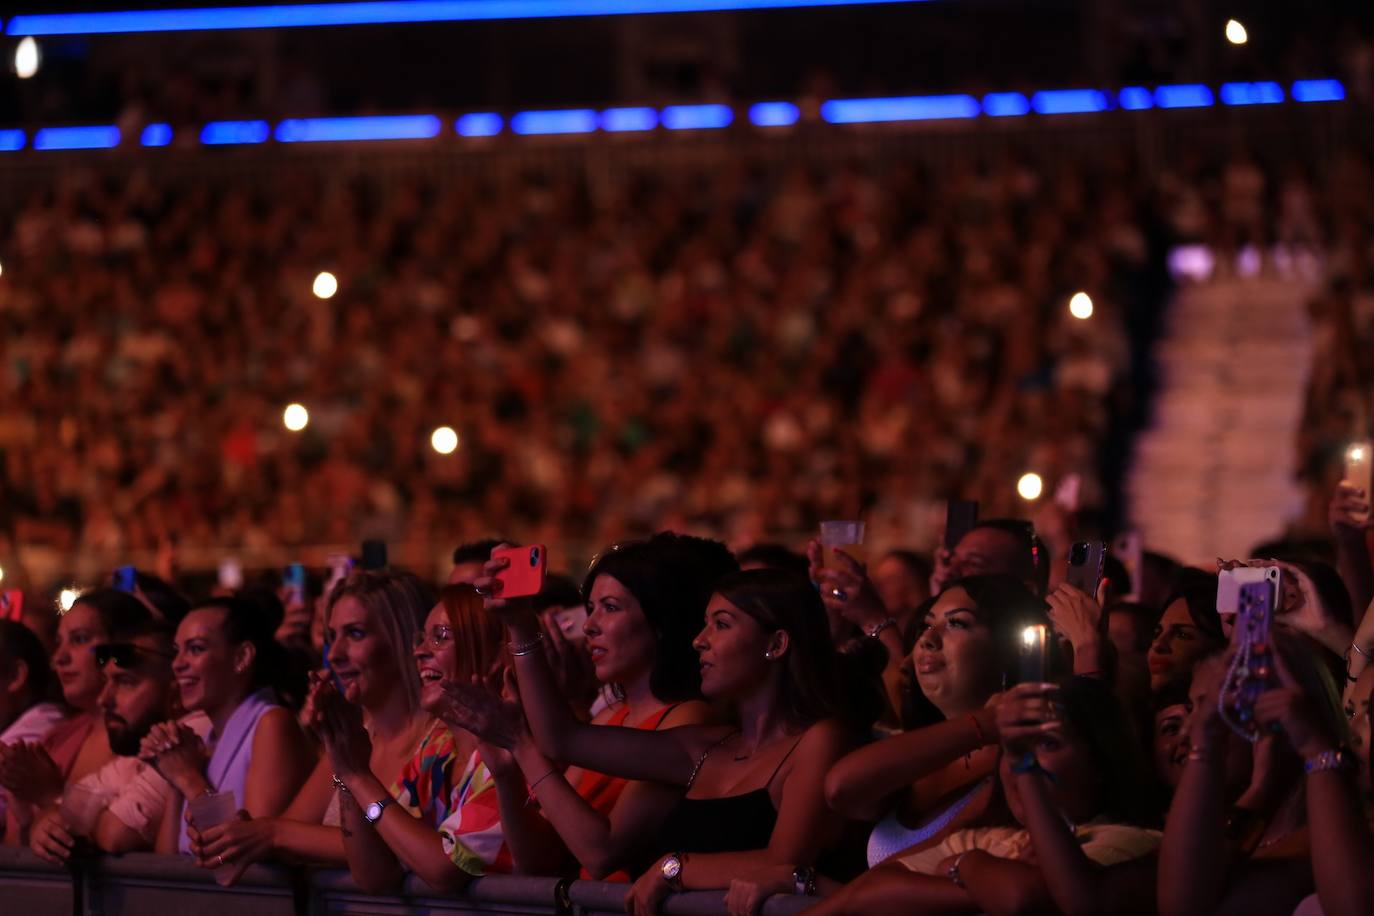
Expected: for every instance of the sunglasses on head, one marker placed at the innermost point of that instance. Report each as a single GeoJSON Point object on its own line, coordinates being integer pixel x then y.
{"type": "Point", "coordinates": [124, 654]}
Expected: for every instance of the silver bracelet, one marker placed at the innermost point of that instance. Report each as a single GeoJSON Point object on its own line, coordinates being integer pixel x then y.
{"type": "Point", "coordinates": [341, 785]}
{"type": "Point", "coordinates": [525, 648]}
{"type": "Point", "coordinates": [1361, 651]}
{"type": "Point", "coordinates": [953, 872]}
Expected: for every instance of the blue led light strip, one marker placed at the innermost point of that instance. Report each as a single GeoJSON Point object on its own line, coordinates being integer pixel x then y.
{"type": "Point", "coordinates": [378, 12]}
{"type": "Point", "coordinates": [1051, 102]}
{"type": "Point", "coordinates": [105, 136]}
{"type": "Point", "coordinates": [900, 108]}
{"type": "Point", "coordinates": [325, 130]}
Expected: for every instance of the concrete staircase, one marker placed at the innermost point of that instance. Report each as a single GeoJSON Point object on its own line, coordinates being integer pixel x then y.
{"type": "Point", "coordinates": [1213, 475]}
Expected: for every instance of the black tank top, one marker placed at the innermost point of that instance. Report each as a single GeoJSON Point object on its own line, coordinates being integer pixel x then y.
{"type": "Point", "coordinates": [734, 823]}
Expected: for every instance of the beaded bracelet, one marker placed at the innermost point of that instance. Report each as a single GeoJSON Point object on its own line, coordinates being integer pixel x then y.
{"type": "Point", "coordinates": [1337, 759]}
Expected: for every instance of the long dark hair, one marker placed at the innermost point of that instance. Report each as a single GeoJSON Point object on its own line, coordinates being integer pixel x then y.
{"type": "Point", "coordinates": [1006, 606]}
{"type": "Point", "coordinates": [1198, 590]}
{"type": "Point", "coordinates": [820, 681]}
{"type": "Point", "coordinates": [1100, 721]}
{"type": "Point", "coordinates": [672, 576]}
{"type": "Point", "coordinates": [244, 621]}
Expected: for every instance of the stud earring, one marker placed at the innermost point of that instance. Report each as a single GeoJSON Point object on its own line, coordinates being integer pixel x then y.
{"type": "Point", "coordinates": [768, 655]}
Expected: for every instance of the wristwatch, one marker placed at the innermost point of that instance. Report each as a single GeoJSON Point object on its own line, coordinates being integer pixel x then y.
{"type": "Point", "coordinates": [672, 871]}
{"type": "Point", "coordinates": [373, 812]}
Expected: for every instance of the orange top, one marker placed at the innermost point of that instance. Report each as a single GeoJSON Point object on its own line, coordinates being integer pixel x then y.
{"type": "Point", "coordinates": [602, 791]}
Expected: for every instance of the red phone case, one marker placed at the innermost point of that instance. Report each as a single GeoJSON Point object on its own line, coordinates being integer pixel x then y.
{"type": "Point", "coordinates": [524, 576]}
{"type": "Point", "coordinates": [12, 605]}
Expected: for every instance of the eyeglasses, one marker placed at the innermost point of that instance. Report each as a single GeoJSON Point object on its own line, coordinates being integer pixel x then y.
{"type": "Point", "coordinates": [437, 638]}
{"type": "Point", "coordinates": [125, 654]}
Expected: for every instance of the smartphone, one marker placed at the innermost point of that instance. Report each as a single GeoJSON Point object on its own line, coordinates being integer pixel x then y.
{"type": "Point", "coordinates": [961, 515]}
{"type": "Point", "coordinates": [374, 554]}
{"type": "Point", "coordinates": [1231, 581]}
{"type": "Point", "coordinates": [12, 605]}
{"type": "Point", "coordinates": [230, 574]}
{"type": "Point", "coordinates": [1357, 469]}
{"type": "Point", "coordinates": [126, 579]}
{"type": "Point", "coordinates": [1085, 566]}
{"type": "Point", "coordinates": [524, 577]}
{"type": "Point", "coordinates": [1129, 548]}
{"type": "Point", "coordinates": [293, 580]}
{"type": "Point", "coordinates": [1254, 673]}
{"type": "Point", "coordinates": [1033, 664]}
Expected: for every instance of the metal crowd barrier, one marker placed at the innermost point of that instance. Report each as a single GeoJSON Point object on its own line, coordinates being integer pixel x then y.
{"type": "Point", "coordinates": [143, 883]}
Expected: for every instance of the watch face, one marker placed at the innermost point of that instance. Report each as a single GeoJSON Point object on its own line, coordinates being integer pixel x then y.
{"type": "Point", "coordinates": [373, 812]}
{"type": "Point", "coordinates": [672, 867]}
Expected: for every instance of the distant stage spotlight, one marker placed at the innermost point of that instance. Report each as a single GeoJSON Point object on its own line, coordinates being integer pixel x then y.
{"type": "Point", "coordinates": [325, 285]}
{"type": "Point", "coordinates": [444, 440]}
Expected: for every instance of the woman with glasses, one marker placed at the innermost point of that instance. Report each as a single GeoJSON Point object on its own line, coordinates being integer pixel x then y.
{"type": "Point", "coordinates": [448, 827]}
{"type": "Point", "coordinates": [229, 666]}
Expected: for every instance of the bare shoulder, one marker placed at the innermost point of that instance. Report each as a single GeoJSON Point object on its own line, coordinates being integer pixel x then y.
{"type": "Point", "coordinates": [828, 739]}
{"type": "Point", "coordinates": [277, 724]}
{"type": "Point", "coordinates": [692, 712]}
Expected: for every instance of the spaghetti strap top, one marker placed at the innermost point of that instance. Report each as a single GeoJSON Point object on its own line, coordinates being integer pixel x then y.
{"type": "Point", "coordinates": [733, 823]}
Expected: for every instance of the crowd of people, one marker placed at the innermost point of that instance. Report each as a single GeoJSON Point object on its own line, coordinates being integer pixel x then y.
{"type": "Point", "coordinates": [739, 350]}
{"type": "Point", "coordinates": [884, 737]}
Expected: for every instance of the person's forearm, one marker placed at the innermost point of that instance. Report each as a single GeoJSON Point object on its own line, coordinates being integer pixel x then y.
{"type": "Point", "coordinates": [297, 842]}
{"type": "Point", "coordinates": [191, 784]}
{"type": "Point", "coordinates": [534, 845]}
{"type": "Point", "coordinates": [397, 839]}
{"type": "Point", "coordinates": [1342, 847]}
{"type": "Point", "coordinates": [586, 832]}
{"type": "Point", "coordinates": [1352, 561]}
{"type": "Point", "coordinates": [860, 784]}
{"type": "Point", "coordinates": [1192, 856]}
{"type": "Point", "coordinates": [713, 870]}
{"type": "Point", "coordinates": [371, 862]}
{"type": "Point", "coordinates": [1073, 880]}
{"type": "Point", "coordinates": [1090, 656]}
{"type": "Point", "coordinates": [1002, 887]}
{"type": "Point", "coordinates": [550, 717]}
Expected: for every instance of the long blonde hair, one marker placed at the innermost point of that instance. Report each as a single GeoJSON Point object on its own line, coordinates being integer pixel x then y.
{"type": "Point", "coordinates": [399, 601]}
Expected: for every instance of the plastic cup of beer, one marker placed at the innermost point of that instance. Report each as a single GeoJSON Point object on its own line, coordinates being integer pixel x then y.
{"type": "Point", "coordinates": [845, 534]}
{"type": "Point", "coordinates": [81, 808]}
{"type": "Point", "coordinates": [210, 811]}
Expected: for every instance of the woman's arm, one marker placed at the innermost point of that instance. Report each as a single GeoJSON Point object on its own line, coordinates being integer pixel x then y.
{"type": "Point", "coordinates": [534, 845]}
{"type": "Point", "coordinates": [892, 890]}
{"type": "Point", "coordinates": [371, 859]}
{"type": "Point", "coordinates": [1194, 855]}
{"type": "Point", "coordinates": [601, 843]}
{"type": "Point", "coordinates": [861, 784]}
{"type": "Point", "coordinates": [168, 832]}
{"type": "Point", "coordinates": [281, 762]}
{"type": "Point", "coordinates": [1002, 887]}
{"type": "Point", "coordinates": [1075, 882]}
{"type": "Point", "coordinates": [663, 756]}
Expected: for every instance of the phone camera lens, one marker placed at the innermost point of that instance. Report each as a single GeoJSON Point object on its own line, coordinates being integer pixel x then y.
{"type": "Point", "coordinates": [534, 556]}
